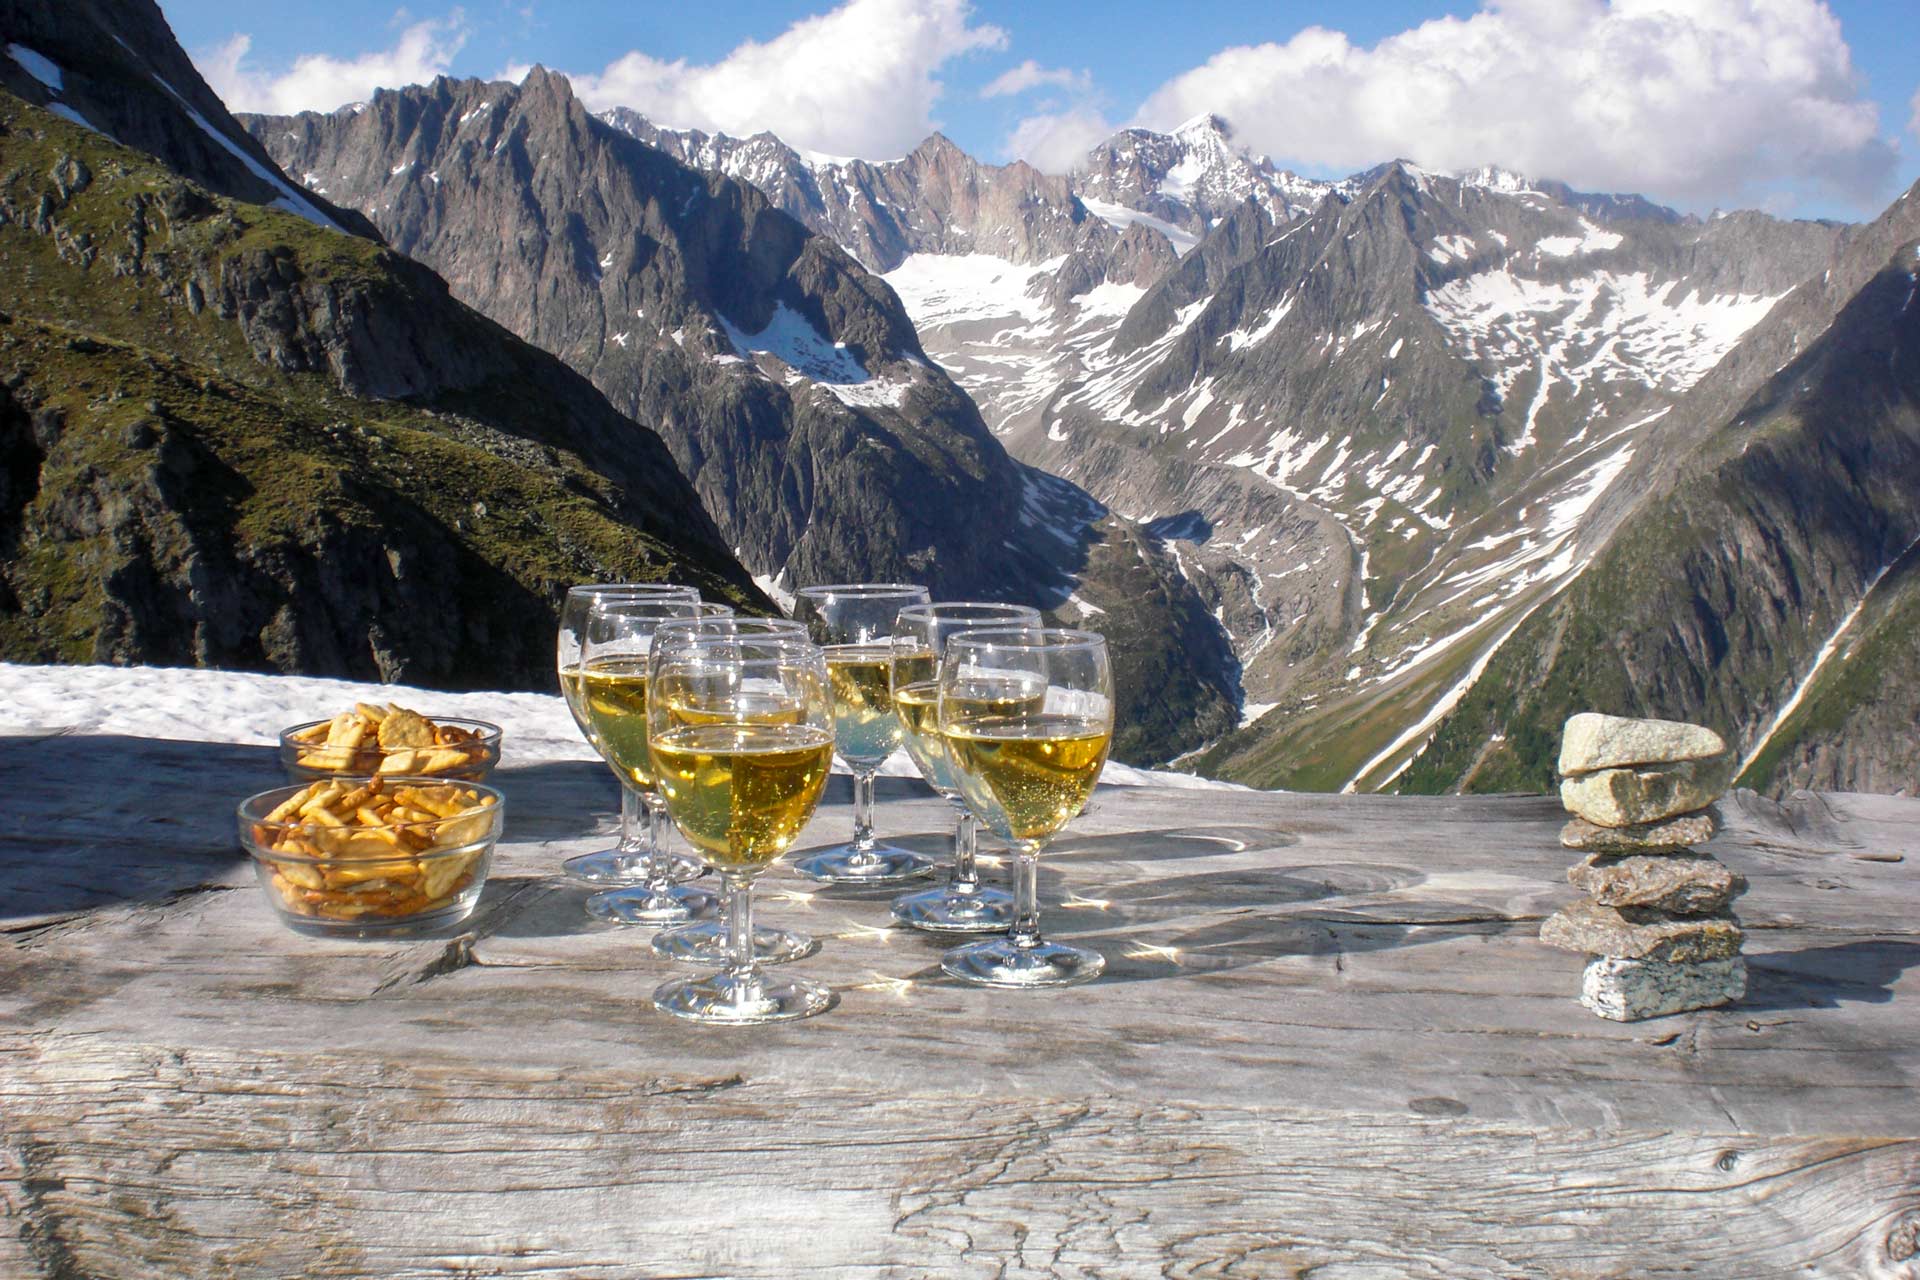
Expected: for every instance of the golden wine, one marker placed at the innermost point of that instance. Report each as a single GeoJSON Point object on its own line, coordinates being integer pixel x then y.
{"type": "Point", "coordinates": [1026, 775]}
{"type": "Point", "coordinates": [914, 667]}
{"type": "Point", "coordinates": [615, 693]}
{"type": "Point", "coordinates": [739, 708]}
{"type": "Point", "coordinates": [741, 793]}
{"type": "Point", "coordinates": [574, 689]}
{"type": "Point", "coordinates": [865, 727]}
{"type": "Point", "coordinates": [919, 705]}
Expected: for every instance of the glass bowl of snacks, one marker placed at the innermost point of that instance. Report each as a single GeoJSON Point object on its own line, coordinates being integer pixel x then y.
{"type": "Point", "coordinates": [390, 740]}
{"type": "Point", "coordinates": [364, 856]}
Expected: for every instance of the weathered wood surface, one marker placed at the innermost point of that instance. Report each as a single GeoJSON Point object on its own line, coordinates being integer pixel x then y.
{"type": "Point", "coordinates": [1328, 1044]}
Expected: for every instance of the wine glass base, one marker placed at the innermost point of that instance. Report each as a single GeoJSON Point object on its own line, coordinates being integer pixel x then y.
{"type": "Point", "coordinates": [638, 904]}
{"type": "Point", "coordinates": [705, 942]}
{"type": "Point", "coordinates": [721, 1000]}
{"type": "Point", "coordinates": [611, 867]}
{"type": "Point", "coordinates": [947, 910]}
{"type": "Point", "coordinates": [880, 864]}
{"type": "Point", "coordinates": [1000, 963]}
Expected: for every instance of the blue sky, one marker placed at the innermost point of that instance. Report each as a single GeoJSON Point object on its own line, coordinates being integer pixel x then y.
{"type": "Point", "coordinates": [1797, 106]}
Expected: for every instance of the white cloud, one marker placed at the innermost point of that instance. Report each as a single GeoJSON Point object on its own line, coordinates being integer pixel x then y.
{"type": "Point", "coordinates": [1031, 75]}
{"type": "Point", "coordinates": [1055, 142]}
{"type": "Point", "coordinates": [1913, 124]}
{"type": "Point", "coordinates": [317, 82]}
{"type": "Point", "coordinates": [860, 80]}
{"type": "Point", "coordinates": [1699, 101]}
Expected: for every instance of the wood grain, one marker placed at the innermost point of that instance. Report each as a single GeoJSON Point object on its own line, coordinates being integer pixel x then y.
{"type": "Point", "coordinates": [1329, 1045]}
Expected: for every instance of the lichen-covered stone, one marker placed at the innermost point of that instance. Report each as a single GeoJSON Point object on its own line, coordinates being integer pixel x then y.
{"type": "Point", "coordinates": [1629, 990]}
{"type": "Point", "coordinates": [1639, 933]}
{"type": "Point", "coordinates": [1593, 741]}
{"type": "Point", "coordinates": [1624, 797]}
{"type": "Point", "coordinates": [1645, 837]}
{"type": "Point", "coordinates": [1682, 883]}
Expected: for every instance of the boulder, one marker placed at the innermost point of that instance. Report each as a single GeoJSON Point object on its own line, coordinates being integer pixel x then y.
{"type": "Point", "coordinates": [1640, 933]}
{"type": "Point", "coordinates": [1682, 883]}
{"type": "Point", "coordinates": [1629, 990]}
{"type": "Point", "coordinates": [1624, 797]}
{"type": "Point", "coordinates": [1673, 835]}
{"type": "Point", "coordinates": [1593, 741]}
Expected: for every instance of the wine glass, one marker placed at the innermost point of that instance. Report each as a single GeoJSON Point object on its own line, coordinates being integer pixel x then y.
{"type": "Point", "coordinates": [740, 790]}
{"type": "Point", "coordinates": [855, 624]}
{"type": "Point", "coordinates": [613, 678]}
{"type": "Point", "coordinates": [962, 905]}
{"type": "Point", "coordinates": [705, 941]}
{"type": "Point", "coordinates": [620, 864]}
{"type": "Point", "coordinates": [1025, 766]}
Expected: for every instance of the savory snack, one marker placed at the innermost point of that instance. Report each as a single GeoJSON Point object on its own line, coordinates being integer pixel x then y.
{"type": "Point", "coordinates": [371, 849]}
{"type": "Point", "coordinates": [391, 740]}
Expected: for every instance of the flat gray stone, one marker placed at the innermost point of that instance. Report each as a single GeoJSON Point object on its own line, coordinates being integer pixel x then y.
{"type": "Point", "coordinates": [1629, 990]}
{"type": "Point", "coordinates": [1640, 933]}
{"type": "Point", "coordinates": [1642, 837]}
{"type": "Point", "coordinates": [1682, 883]}
{"type": "Point", "coordinates": [1624, 797]}
{"type": "Point", "coordinates": [1593, 741]}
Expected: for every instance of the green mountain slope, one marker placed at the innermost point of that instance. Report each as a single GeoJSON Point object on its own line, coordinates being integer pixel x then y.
{"type": "Point", "coordinates": [1716, 596]}
{"type": "Point", "coordinates": [232, 437]}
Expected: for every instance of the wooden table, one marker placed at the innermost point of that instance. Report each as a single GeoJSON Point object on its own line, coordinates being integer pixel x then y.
{"type": "Point", "coordinates": [1328, 1044]}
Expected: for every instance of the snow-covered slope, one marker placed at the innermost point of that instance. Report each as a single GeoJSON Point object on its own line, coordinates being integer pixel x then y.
{"type": "Point", "coordinates": [237, 706]}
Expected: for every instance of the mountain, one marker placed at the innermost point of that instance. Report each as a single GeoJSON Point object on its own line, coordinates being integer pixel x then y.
{"type": "Point", "coordinates": [1380, 423]}
{"type": "Point", "coordinates": [236, 434]}
{"type": "Point", "coordinates": [1770, 583]}
{"type": "Point", "coordinates": [789, 382]}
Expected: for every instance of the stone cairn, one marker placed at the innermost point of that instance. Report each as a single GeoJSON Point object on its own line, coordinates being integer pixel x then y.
{"type": "Point", "coordinates": [1657, 923]}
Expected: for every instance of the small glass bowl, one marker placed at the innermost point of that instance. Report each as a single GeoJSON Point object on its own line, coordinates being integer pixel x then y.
{"type": "Point", "coordinates": [366, 879]}
{"type": "Point", "coordinates": [311, 761]}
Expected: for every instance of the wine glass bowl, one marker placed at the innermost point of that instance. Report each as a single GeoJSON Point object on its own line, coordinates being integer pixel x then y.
{"type": "Point", "coordinates": [855, 624]}
{"type": "Point", "coordinates": [740, 786]}
{"type": "Point", "coordinates": [1027, 718]}
{"type": "Point", "coordinates": [963, 904]}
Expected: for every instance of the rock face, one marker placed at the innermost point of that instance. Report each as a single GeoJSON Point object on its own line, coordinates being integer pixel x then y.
{"type": "Point", "coordinates": [1640, 933]}
{"type": "Point", "coordinates": [1679, 883]}
{"type": "Point", "coordinates": [235, 437]}
{"type": "Point", "coordinates": [1675, 833]}
{"type": "Point", "coordinates": [1593, 741]}
{"type": "Point", "coordinates": [1630, 990]}
{"type": "Point", "coordinates": [1632, 797]}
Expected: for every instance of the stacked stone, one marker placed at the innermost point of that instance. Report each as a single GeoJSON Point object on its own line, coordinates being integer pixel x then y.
{"type": "Point", "coordinates": [1657, 924]}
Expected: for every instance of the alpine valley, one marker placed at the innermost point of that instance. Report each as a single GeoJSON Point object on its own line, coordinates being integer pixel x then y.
{"type": "Point", "coordinates": [1370, 481]}
{"type": "Point", "coordinates": [1441, 457]}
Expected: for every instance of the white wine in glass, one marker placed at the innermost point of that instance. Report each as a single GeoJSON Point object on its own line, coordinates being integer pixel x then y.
{"type": "Point", "coordinates": [625, 862]}
{"type": "Point", "coordinates": [856, 624]}
{"type": "Point", "coordinates": [1026, 765]}
{"type": "Point", "coordinates": [614, 686]}
{"type": "Point", "coordinates": [704, 942]}
{"type": "Point", "coordinates": [963, 904]}
{"type": "Point", "coordinates": [740, 792]}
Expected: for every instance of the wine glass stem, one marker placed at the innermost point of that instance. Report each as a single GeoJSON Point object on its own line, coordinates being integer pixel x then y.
{"type": "Point", "coordinates": [966, 874]}
{"type": "Point", "coordinates": [740, 966]}
{"type": "Point", "coordinates": [661, 866]}
{"type": "Point", "coordinates": [1026, 896]}
{"type": "Point", "coordinates": [633, 837]}
{"type": "Point", "coordinates": [863, 813]}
